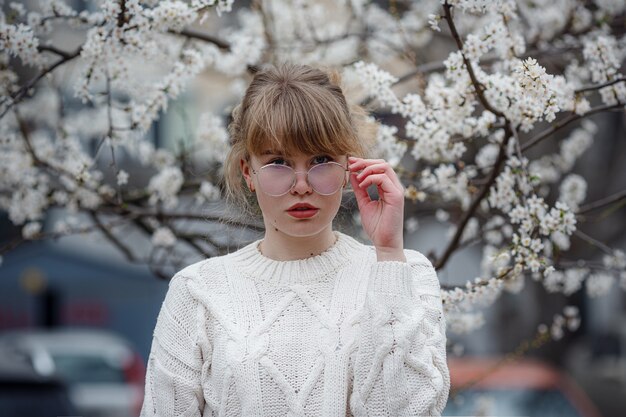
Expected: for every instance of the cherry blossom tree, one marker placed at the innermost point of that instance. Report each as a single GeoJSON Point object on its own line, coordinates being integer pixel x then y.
{"type": "Point", "coordinates": [468, 88]}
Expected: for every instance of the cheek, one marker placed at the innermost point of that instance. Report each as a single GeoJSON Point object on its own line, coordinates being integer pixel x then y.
{"type": "Point", "coordinates": [269, 207]}
{"type": "Point", "coordinates": [263, 201]}
{"type": "Point", "coordinates": [333, 202]}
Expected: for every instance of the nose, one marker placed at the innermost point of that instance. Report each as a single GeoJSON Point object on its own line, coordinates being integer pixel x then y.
{"type": "Point", "coordinates": [301, 186]}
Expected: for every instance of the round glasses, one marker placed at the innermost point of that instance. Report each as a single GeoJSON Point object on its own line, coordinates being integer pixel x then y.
{"type": "Point", "coordinates": [277, 180]}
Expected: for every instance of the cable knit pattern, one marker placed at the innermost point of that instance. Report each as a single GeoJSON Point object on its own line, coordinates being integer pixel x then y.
{"type": "Point", "coordinates": [337, 334]}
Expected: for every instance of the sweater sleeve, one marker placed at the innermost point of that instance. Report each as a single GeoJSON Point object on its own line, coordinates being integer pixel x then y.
{"type": "Point", "coordinates": [173, 373]}
{"type": "Point", "coordinates": [400, 366]}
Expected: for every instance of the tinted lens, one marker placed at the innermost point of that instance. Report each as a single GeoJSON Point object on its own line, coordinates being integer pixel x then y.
{"type": "Point", "coordinates": [326, 178]}
{"type": "Point", "coordinates": [276, 179]}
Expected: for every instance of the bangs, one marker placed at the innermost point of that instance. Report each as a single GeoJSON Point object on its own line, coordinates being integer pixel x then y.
{"type": "Point", "coordinates": [299, 118]}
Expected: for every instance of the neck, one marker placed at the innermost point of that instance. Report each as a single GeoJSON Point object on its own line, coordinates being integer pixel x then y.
{"type": "Point", "coordinates": [282, 247]}
{"type": "Point", "coordinates": [311, 270]}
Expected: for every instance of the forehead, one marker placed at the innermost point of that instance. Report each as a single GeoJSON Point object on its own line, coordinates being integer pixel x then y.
{"type": "Point", "coordinates": [276, 151]}
{"type": "Point", "coordinates": [273, 150]}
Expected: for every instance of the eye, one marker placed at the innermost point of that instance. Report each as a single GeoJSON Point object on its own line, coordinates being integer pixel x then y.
{"type": "Point", "coordinates": [276, 161]}
{"type": "Point", "coordinates": [323, 158]}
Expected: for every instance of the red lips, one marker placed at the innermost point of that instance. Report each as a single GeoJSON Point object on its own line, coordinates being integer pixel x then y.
{"type": "Point", "coordinates": [302, 205]}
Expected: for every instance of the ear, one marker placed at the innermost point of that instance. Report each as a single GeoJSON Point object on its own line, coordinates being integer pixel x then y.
{"type": "Point", "coordinates": [244, 165]}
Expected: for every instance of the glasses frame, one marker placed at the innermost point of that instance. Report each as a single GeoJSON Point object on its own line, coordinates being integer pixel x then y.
{"type": "Point", "coordinates": [295, 177]}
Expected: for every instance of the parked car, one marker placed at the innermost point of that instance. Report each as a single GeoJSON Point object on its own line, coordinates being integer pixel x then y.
{"type": "Point", "coordinates": [26, 393]}
{"type": "Point", "coordinates": [104, 373]}
{"type": "Point", "coordinates": [525, 387]}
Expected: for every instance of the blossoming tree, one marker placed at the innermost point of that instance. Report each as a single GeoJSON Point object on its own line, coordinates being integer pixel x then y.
{"type": "Point", "coordinates": [464, 119]}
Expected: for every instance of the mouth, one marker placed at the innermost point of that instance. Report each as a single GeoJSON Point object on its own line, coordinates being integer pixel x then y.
{"type": "Point", "coordinates": [302, 207]}
{"type": "Point", "coordinates": [301, 211]}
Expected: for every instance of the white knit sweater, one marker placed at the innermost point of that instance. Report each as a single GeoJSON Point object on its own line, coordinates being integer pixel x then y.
{"type": "Point", "coordinates": [338, 334]}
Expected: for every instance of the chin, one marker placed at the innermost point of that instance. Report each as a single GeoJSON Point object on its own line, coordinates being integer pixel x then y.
{"type": "Point", "coordinates": [303, 228]}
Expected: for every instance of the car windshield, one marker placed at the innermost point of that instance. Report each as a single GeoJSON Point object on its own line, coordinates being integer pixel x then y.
{"type": "Point", "coordinates": [510, 402]}
{"type": "Point", "coordinates": [24, 400]}
{"type": "Point", "coordinates": [87, 369]}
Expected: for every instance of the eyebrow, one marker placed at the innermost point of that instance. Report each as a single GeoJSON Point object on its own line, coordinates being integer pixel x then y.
{"type": "Point", "coordinates": [271, 152]}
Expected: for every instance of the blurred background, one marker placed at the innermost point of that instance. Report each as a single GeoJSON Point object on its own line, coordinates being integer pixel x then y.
{"type": "Point", "coordinates": [76, 316]}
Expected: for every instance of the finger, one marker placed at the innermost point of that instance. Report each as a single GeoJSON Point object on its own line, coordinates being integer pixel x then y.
{"type": "Point", "coordinates": [362, 197]}
{"type": "Point", "coordinates": [382, 181]}
{"type": "Point", "coordinates": [380, 169]}
{"type": "Point", "coordinates": [372, 169]}
{"type": "Point", "coordinates": [359, 163]}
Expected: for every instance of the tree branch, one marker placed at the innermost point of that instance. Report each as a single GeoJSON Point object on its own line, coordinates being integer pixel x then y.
{"type": "Point", "coordinates": [602, 202]}
{"type": "Point", "coordinates": [23, 91]}
{"type": "Point", "coordinates": [599, 86]}
{"type": "Point", "coordinates": [478, 87]}
{"type": "Point", "coordinates": [54, 49]}
{"type": "Point", "coordinates": [593, 241]}
{"type": "Point", "coordinates": [437, 66]}
{"type": "Point", "coordinates": [112, 238]}
{"type": "Point", "coordinates": [564, 122]}
{"type": "Point", "coordinates": [190, 33]}
{"type": "Point", "coordinates": [439, 263]}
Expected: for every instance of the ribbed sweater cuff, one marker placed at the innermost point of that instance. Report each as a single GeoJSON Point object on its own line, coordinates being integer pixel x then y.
{"type": "Point", "coordinates": [392, 277]}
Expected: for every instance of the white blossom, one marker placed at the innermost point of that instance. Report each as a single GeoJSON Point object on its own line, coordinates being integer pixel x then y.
{"type": "Point", "coordinates": [31, 229]}
{"type": "Point", "coordinates": [163, 237]}
{"type": "Point", "coordinates": [122, 177]}
{"type": "Point", "coordinates": [604, 59]}
{"type": "Point", "coordinates": [433, 22]}
{"type": "Point", "coordinates": [207, 192]}
{"type": "Point", "coordinates": [132, 63]}
{"type": "Point", "coordinates": [221, 6]}
{"type": "Point", "coordinates": [573, 190]}
{"type": "Point", "coordinates": [377, 83]}
{"type": "Point", "coordinates": [615, 260]}
{"type": "Point", "coordinates": [599, 283]}
{"type": "Point", "coordinates": [212, 136]}
{"type": "Point", "coordinates": [20, 41]}
{"type": "Point", "coordinates": [464, 323]}
{"type": "Point", "coordinates": [445, 179]}
{"type": "Point", "coordinates": [388, 147]}
{"type": "Point", "coordinates": [247, 45]}
{"type": "Point", "coordinates": [144, 114]}
{"type": "Point", "coordinates": [174, 15]}
{"type": "Point", "coordinates": [165, 186]}
{"type": "Point", "coordinates": [514, 284]}
{"type": "Point", "coordinates": [411, 224]}
{"type": "Point", "coordinates": [442, 215]}
{"type": "Point", "coordinates": [487, 155]}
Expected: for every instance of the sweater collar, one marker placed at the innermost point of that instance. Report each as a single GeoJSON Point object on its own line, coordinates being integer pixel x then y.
{"type": "Point", "coordinates": [251, 262]}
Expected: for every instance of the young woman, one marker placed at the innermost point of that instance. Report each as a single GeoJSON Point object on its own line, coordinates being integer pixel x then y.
{"type": "Point", "coordinates": [307, 321]}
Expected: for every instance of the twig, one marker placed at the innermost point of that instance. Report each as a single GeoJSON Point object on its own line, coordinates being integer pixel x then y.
{"type": "Point", "coordinates": [478, 87]}
{"type": "Point", "coordinates": [21, 93]}
{"type": "Point", "coordinates": [602, 202]}
{"type": "Point", "coordinates": [439, 263]}
{"type": "Point", "coordinates": [189, 33]}
{"type": "Point", "coordinates": [598, 86]}
{"type": "Point", "coordinates": [53, 236]}
{"type": "Point", "coordinates": [593, 241]}
{"type": "Point", "coordinates": [558, 125]}
{"type": "Point", "coordinates": [437, 66]}
{"type": "Point", "coordinates": [112, 238]}
{"type": "Point", "coordinates": [54, 49]}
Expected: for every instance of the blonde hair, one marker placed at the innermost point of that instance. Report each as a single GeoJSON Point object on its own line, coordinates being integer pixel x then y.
{"type": "Point", "coordinates": [295, 109]}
